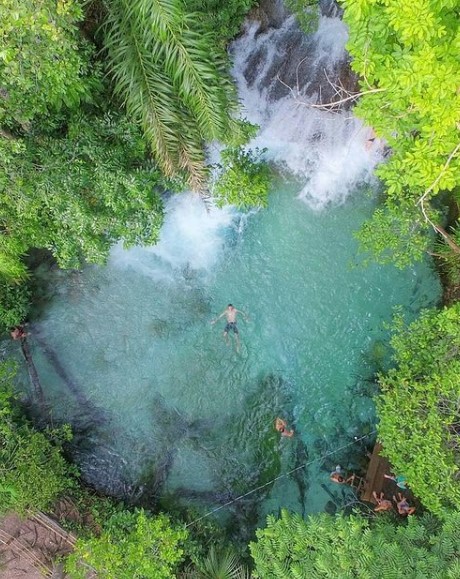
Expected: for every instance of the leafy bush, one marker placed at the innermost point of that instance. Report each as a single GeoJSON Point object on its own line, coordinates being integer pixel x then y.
{"type": "Point", "coordinates": [33, 471]}
{"type": "Point", "coordinates": [339, 547]}
{"type": "Point", "coordinates": [243, 180]}
{"type": "Point", "coordinates": [132, 545]}
{"type": "Point", "coordinates": [14, 304]}
{"type": "Point", "coordinates": [419, 408]}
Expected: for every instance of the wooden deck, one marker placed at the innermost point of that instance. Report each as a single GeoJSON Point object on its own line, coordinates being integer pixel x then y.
{"type": "Point", "coordinates": [375, 481]}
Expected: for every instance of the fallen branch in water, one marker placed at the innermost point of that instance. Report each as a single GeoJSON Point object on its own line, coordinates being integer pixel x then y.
{"type": "Point", "coordinates": [339, 90]}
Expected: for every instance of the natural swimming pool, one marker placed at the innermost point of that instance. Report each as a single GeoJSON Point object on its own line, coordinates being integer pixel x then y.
{"type": "Point", "coordinates": [161, 408]}
{"type": "Point", "coordinates": [164, 408]}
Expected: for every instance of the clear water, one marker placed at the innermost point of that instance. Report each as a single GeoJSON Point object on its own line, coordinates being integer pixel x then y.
{"type": "Point", "coordinates": [153, 383]}
{"type": "Point", "coordinates": [161, 408]}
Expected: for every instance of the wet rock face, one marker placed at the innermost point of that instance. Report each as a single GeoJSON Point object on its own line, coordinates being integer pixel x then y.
{"type": "Point", "coordinates": [330, 8]}
{"type": "Point", "coordinates": [273, 13]}
{"type": "Point", "coordinates": [287, 61]}
{"type": "Point", "coordinates": [270, 14]}
{"type": "Point", "coordinates": [347, 78]}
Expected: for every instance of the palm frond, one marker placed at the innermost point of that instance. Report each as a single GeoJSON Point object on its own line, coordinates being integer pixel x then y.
{"type": "Point", "coordinates": [172, 79]}
{"type": "Point", "coordinates": [222, 565]}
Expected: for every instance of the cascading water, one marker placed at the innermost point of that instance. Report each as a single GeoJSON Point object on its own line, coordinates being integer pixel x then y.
{"type": "Point", "coordinates": [161, 408]}
{"type": "Point", "coordinates": [281, 74]}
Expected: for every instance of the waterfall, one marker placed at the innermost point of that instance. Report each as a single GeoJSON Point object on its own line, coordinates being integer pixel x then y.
{"type": "Point", "coordinates": [192, 238]}
{"type": "Point", "coordinates": [280, 73]}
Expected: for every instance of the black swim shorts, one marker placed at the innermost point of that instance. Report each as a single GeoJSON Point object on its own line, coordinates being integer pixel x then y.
{"type": "Point", "coordinates": [231, 326]}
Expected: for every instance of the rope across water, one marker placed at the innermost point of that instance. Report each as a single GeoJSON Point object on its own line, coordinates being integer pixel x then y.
{"type": "Point", "coordinates": [228, 503]}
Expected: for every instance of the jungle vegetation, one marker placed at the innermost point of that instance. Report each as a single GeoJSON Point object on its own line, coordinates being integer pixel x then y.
{"type": "Point", "coordinates": [354, 546]}
{"type": "Point", "coordinates": [104, 106]}
{"type": "Point", "coordinates": [419, 407]}
{"type": "Point", "coordinates": [93, 101]}
{"type": "Point", "coordinates": [406, 58]}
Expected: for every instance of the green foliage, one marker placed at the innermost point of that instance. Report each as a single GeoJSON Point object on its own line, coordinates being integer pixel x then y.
{"type": "Point", "coordinates": [40, 66]}
{"type": "Point", "coordinates": [12, 267]}
{"type": "Point", "coordinates": [173, 80]}
{"type": "Point", "coordinates": [244, 179]}
{"type": "Point", "coordinates": [75, 178]}
{"type": "Point", "coordinates": [306, 12]}
{"type": "Point", "coordinates": [14, 304]}
{"type": "Point", "coordinates": [76, 192]}
{"type": "Point", "coordinates": [419, 407]}
{"type": "Point", "coordinates": [219, 564]}
{"type": "Point", "coordinates": [328, 546]}
{"type": "Point", "coordinates": [406, 55]}
{"type": "Point", "coordinates": [32, 470]}
{"type": "Point", "coordinates": [223, 17]}
{"type": "Point", "coordinates": [395, 234]}
{"type": "Point", "coordinates": [132, 545]}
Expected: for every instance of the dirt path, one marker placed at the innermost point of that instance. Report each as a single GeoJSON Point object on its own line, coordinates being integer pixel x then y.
{"type": "Point", "coordinates": [29, 547]}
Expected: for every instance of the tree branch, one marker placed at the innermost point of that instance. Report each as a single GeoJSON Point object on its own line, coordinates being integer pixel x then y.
{"type": "Point", "coordinates": [354, 96]}
{"type": "Point", "coordinates": [448, 238]}
{"type": "Point", "coordinates": [436, 181]}
{"type": "Point", "coordinates": [338, 89]}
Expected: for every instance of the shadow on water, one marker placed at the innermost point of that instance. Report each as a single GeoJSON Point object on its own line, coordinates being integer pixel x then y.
{"type": "Point", "coordinates": [246, 455]}
{"type": "Point", "coordinates": [53, 358]}
{"type": "Point", "coordinates": [33, 376]}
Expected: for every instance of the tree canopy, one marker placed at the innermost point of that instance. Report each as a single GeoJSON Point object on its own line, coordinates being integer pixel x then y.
{"type": "Point", "coordinates": [406, 56]}
{"type": "Point", "coordinates": [327, 546]}
{"type": "Point", "coordinates": [77, 192]}
{"type": "Point", "coordinates": [170, 73]}
{"type": "Point", "coordinates": [132, 545]}
{"type": "Point", "coordinates": [76, 176]}
{"type": "Point", "coordinates": [419, 407]}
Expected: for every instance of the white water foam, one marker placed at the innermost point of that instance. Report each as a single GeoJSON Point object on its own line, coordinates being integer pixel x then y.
{"type": "Point", "coordinates": [328, 153]}
{"type": "Point", "coordinates": [192, 237]}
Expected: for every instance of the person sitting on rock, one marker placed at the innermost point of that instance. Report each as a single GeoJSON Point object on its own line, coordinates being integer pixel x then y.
{"type": "Point", "coordinates": [18, 333]}
{"type": "Point", "coordinates": [338, 476]}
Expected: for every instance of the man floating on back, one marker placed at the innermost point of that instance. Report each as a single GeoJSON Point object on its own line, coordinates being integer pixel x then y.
{"type": "Point", "coordinates": [230, 313]}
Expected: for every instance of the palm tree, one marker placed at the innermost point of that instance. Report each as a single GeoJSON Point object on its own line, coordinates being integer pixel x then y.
{"type": "Point", "coordinates": [218, 564]}
{"type": "Point", "coordinates": [172, 78]}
